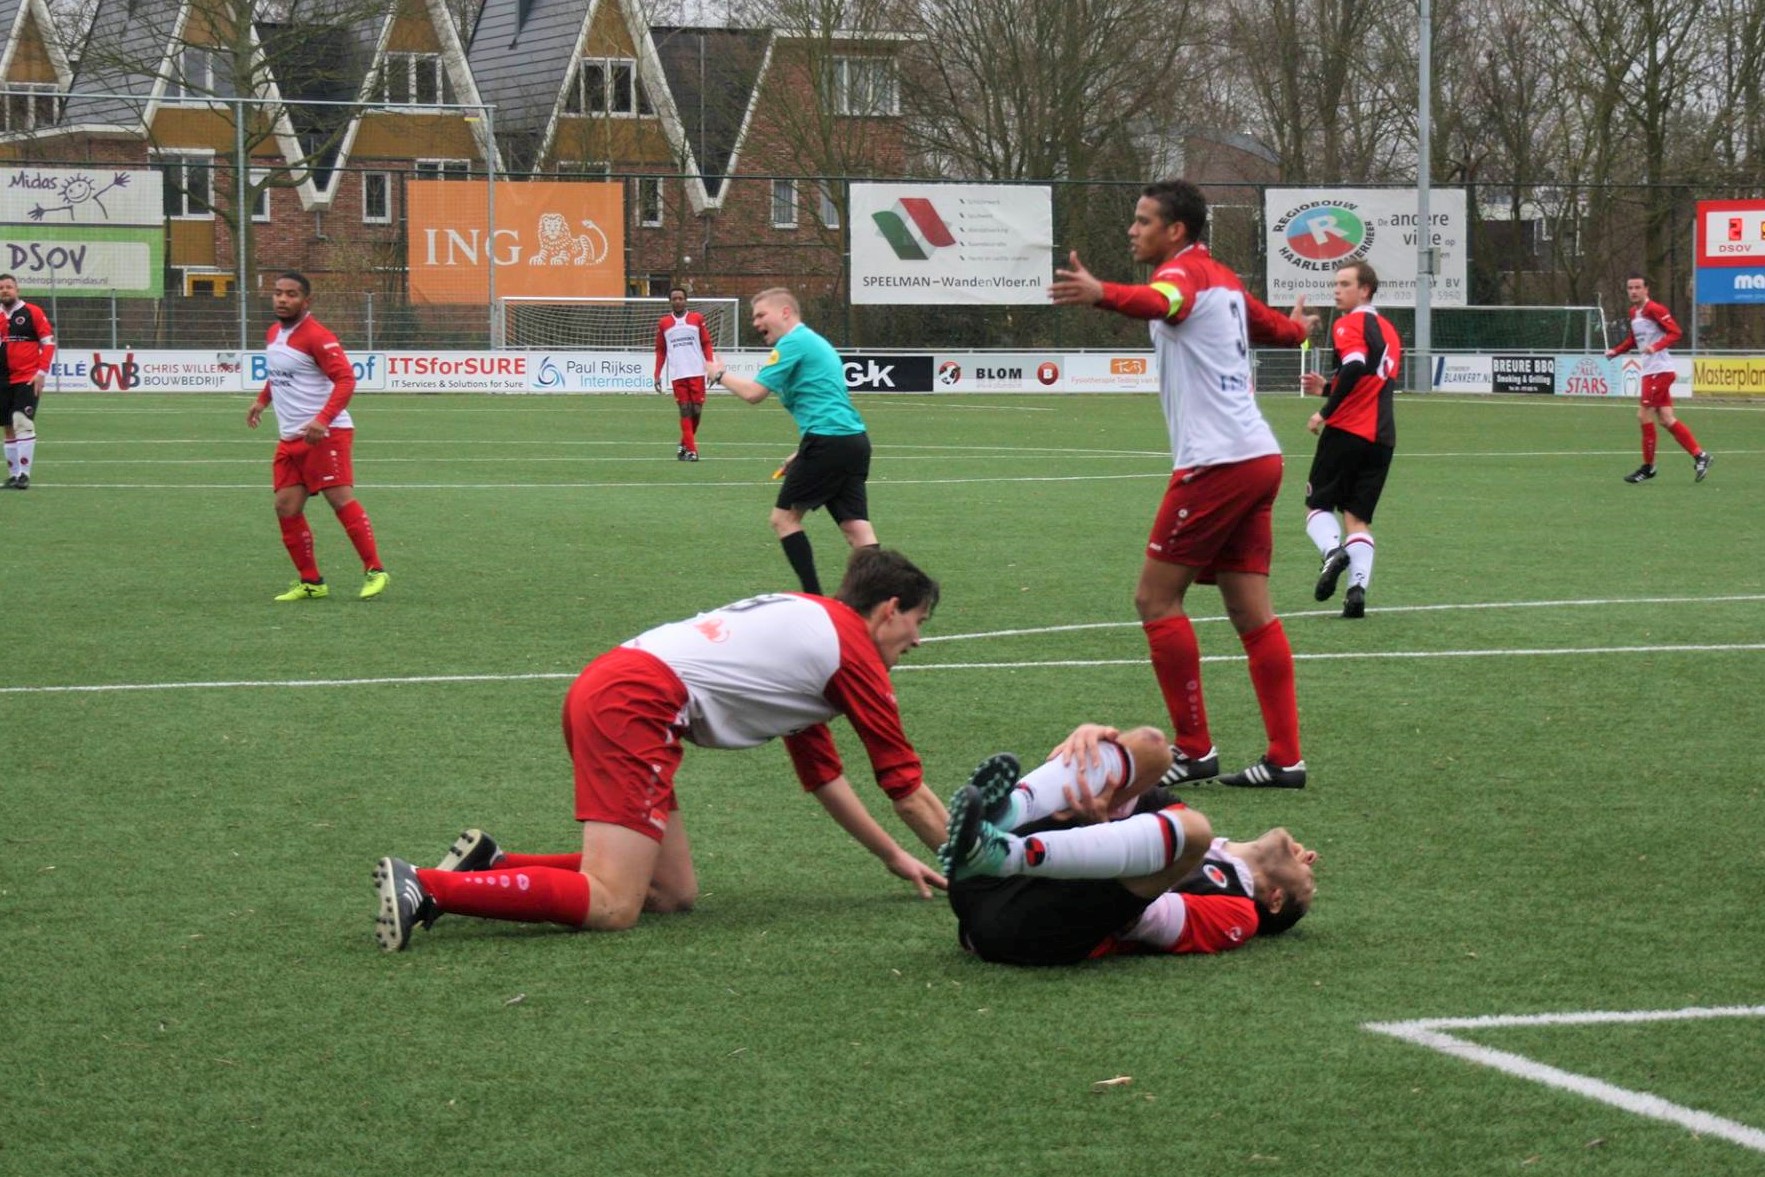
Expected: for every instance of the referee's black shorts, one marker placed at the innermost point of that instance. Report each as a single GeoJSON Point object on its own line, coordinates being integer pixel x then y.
{"type": "Point", "coordinates": [1347, 474]}
{"type": "Point", "coordinates": [1029, 921]}
{"type": "Point", "coordinates": [829, 471]}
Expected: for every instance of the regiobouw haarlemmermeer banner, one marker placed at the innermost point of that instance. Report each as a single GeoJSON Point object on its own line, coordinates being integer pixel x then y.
{"type": "Point", "coordinates": [976, 244]}
{"type": "Point", "coordinates": [1313, 232]}
{"type": "Point", "coordinates": [83, 232]}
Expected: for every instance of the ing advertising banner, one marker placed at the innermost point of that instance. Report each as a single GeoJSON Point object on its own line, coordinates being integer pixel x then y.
{"type": "Point", "coordinates": [941, 244]}
{"type": "Point", "coordinates": [1313, 232]}
{"type": "Point", "coordinates": [83, 232]}
{"type": "Point", "coordinates": [552, 240]}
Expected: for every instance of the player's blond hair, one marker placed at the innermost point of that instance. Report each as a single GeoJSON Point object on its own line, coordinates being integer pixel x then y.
{"type": "Point", "coordinates": [779, 294]}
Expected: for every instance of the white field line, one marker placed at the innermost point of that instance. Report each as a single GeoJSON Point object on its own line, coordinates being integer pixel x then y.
{"type": "Point", "coordinates": [1428, 1032]}
{"type": "Point", "coordinates": [1010, 666]}
{"type": "Point", "coordinates": [386, 487]}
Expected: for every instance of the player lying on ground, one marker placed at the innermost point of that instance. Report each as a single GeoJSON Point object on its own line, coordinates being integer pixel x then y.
{"type": "Point", "coordinates": [782, 664]}
{"type": "Point", "coordinates": [1087, 856]}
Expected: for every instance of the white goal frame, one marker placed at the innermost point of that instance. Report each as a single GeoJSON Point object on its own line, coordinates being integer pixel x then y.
{"type": "Point", "coordinates": [603, 324]}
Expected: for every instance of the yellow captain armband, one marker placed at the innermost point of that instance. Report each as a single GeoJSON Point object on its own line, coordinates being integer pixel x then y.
{"type": "Point", "coordinates": [1172, 294]}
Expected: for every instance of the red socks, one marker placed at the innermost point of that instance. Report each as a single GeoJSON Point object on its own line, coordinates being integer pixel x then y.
{"type": "Point", "coordinates": [297, 537]}
{"type": "Point", "coordinates": [1271, 673]}
{"type": "Point", "coordinates": [572, 861]}
{"type": "Point", "coordinates": [354, 518]}
{"type": "Point", "coordinates": [1648, 443]}
{"type": "Point", "coordinates": [529, 895]}
{"type": "Point", "coordinates": [1683, 436]}
{"type": "Point", "coordinates": [1176, 660]}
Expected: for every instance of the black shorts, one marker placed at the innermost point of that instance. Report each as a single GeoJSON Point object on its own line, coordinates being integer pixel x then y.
{"type": "Point", "coordinates": [829, 472]}
{"type": "Point", "coordinates": [1347, 474]}
{"type": "Point", "coordinates": [19, 398]}
{"type": "Point", "coordinates": [1027, 921]}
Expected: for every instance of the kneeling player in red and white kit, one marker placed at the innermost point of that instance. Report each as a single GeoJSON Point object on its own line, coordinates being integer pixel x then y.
{"type": "Point", "coordinates": [310, 384]}
{"type": "Point", "coordinates": [1088, 857]}
{"type": "Point", "coordinates": [1214, 525]}
{"type": "Point", "coordinates": [683, 354]}
{"type": "Point", "coordinates": [782, 664]}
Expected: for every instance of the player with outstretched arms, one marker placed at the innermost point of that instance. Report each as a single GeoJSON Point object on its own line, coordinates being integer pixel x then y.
{"type": "Point", "coordinates": [1087, 856]}
{"type": "Point", "coordinates": [777, 665]}
{"type": "Point", "coordinates": [29, 344]}
{"type": "Point", "coordinates": [310, 385]}
{"type": "Point", "coordinates": [683, 356]}
{"type": "Point", "coordinates": [1653, 330]}
{"type": "Point", "coordinates": [1214, 525]}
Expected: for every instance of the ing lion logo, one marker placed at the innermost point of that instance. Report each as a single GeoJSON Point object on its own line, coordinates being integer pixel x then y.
{"type": "Point", "coordinates": [558, 247]}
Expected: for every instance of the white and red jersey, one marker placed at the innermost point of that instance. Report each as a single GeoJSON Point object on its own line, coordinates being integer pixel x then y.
{"type": "Point", "coordinates": [783, 664]}
{"type": "Point", "coordinates": [1213, 910]}
{"type": "Point", "coordinates": [29, 342]}
{"type": "Point", "coordinates": [1653, 330]}
{"type": "Point", "coordinates": [1203, 322]}
{"type": "Point", "coordinates": [310, 377]}
{"type": "Point", "coordinates": [683, 345]}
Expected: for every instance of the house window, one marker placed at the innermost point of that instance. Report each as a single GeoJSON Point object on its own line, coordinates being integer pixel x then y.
{"type": "Point", "coordinates": [580, 167]}
{"type": "Point", "coordinates": [864, 86]}
{"type": "Point", "coordinates": [607, 86]}
{"type": "Point", "coordinates": [189, 185]}
{"type": "Point", "coordinates": [830, 212]}
{"type": "Point", "coordinates": [444, 169]}
{"type": "Point", "coordinates": [649, 201]}
{"type": "Point", "coordinates": [376, 198]}
{"type": "Point", "coordinates": [784, 204]}
{"type": "Point", "coordinates": [27, 106]}
{"type": "Point", "coordinates": [193, 69]}
{"type": "Point", "coordinates": [414, 79]}
{"type": "Point", "coordinates": [260, 194]}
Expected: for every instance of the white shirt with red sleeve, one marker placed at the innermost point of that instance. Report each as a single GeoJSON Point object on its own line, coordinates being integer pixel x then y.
{"type": "Point", "coordinates": [1202, 337]}
{"type": "Point", "coordinates": [783, 664]}
{"type": "Point", "coordinates": [683, 346]}
{"type": "Point", "coordinates": [311, 379]}
{"type": "Point", "coordinates": [1652, 326]}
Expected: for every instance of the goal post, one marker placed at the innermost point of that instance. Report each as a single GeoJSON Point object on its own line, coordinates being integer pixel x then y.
{"type": "Point", "coordinates": [606, 324]}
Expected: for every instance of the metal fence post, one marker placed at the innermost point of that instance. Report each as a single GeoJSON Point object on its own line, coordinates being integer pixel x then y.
{"type": "Point", "coordinates": [370, 297]}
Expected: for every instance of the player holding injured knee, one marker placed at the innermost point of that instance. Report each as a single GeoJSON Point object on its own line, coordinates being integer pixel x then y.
{"type": "Point", "coordinates": [1087, 856]}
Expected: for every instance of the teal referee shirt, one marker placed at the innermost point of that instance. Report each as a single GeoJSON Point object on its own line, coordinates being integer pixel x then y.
{"type": "Point", "coordinates": [805, 373]}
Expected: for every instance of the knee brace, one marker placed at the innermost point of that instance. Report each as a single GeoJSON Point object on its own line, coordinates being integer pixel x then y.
{"type": "Point", "coordinates": [23, 426]}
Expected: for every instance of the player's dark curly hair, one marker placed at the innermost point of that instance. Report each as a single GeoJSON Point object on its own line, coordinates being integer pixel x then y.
{"type": "Point", "coordinates": [1273, 923]}
{"type": "Point", "coordinates": [299, 279]}
{"type": "Point", "coordinates": [1180, 203]}
{"type": "Point", "coordinates": [874, 575]}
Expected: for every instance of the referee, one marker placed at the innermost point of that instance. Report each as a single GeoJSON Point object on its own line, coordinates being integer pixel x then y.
{"type": "Point", "coordinates": [832, 460]}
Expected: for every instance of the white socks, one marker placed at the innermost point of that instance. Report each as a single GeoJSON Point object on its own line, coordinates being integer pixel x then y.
{"type": "Point", "coordinates": [1043, 791]}
{"type": "Point", "coordinates": [1321, 526]}
{"type": "Point", "coordinates": [1360, 559]}
{"type": "Point", "coordinates": [1141, 845]}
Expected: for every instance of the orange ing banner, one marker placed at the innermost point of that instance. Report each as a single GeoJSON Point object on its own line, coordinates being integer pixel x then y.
{"type": "Point", "coordinates": [1741, 376]}
{"type": "Point", "coordinates": [551, 240]}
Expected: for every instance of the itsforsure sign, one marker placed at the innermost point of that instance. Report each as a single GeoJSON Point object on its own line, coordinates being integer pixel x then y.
{"type": "Point", "coordinates": [951, 243]}
{"type": "Point", "coordinates": [1313, 232]}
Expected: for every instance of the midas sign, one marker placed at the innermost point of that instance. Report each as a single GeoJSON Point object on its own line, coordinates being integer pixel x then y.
{"type": "Point", "coordinates": [550, 240]}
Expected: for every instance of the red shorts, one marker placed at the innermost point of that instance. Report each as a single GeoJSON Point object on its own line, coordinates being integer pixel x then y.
{"type": "Point", "coordinates": [690, 391]}
{"type": "Point", "coordinates": [316, 467]}
{"type": "Point", "coordinates": [1219, 518]}
{"type": "Point", "coordinates": [620, 725]}
{"type": "Point", "coordinates": [1657, 390]}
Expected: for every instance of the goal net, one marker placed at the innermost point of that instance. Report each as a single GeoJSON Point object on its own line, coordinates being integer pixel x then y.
{"type": "Point", "coordinates": [606, 324]}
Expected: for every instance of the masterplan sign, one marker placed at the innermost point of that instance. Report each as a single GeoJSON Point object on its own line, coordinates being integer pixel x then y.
{"type": "Point", "coordinates": [951, 243]}
{"type": "Point", "coordinates": [83, 232]}
{"type": "Point", "coordinates": [1313, 232]}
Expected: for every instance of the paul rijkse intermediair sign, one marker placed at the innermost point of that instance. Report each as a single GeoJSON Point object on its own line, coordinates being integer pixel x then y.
{"type": "Point", "coordinates": [975, 244]}
{"type": "Point", "coordinates": [83, 232]}
{"type": "Point", "coordinates": [1313, 232]}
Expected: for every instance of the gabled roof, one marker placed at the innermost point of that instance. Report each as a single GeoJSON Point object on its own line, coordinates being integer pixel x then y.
{"type": "Point", "coordinates": [521, 54]}
{"type": "Point", "coordinates": [122, 31]}
{"type": "Point", "coordinates": [714, 75]}
{"type": "Point", "coordinates": [15, 15]}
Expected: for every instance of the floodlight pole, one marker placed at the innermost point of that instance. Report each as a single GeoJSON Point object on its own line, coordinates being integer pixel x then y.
{"type": "Point", "coordinates": [241, 177]}
{"type": "Point", "coordinates": [1422, 367]}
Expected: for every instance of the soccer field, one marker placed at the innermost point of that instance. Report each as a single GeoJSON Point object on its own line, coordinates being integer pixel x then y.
{"type": "Point", "coordinates": [1537, 788]}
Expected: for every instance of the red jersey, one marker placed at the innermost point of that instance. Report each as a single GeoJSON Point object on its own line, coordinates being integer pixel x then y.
{"type": "Point", "coordinates": [683, 346]}
{"type": "Point", "coordinates": [1653, 330]}
{"type": "Point", "coordinates": [783, 664]}
{"type": "Point", "coordinates": [310, 377]}
{"type": "Point", "coordinates": [1203, 323]}
{"type": "Point", "coordinates": [1368, 356]}
{"type": "Point", "coordinates": [30, 341]}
